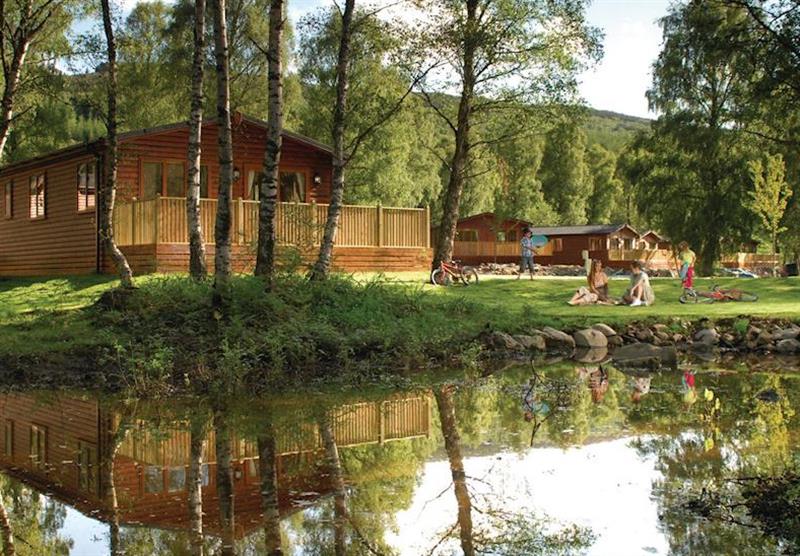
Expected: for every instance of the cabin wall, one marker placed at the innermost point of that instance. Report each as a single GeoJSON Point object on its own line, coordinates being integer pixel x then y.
{"type": "Point", "coordinates": [146, 259]}
{"type": "Point", "coordinates": [67, 421]}
{"type": "Point", "coordinates": [248, 154]}
{"type": "Point", "coordinates": [63, 241]}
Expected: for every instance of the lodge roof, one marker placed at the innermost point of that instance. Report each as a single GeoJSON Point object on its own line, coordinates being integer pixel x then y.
{"type": "Point", "coordinates": [590, 229]}
{"type": "Point", "coordinates": [94, 145]}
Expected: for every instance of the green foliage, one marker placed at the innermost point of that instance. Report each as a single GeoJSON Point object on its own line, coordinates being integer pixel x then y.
{"type": "Point", "coordinates": [565, 177]}
{"type": "Point", "coordinates": [770, 194]}
{"type": "Point", "coordinates": [606, 187]}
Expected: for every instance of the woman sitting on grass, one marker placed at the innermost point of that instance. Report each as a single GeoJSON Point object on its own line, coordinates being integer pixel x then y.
{"type": "Point", "coordinates": [640, 292]}
{"type": "Point", "coordinates": [597, 290]}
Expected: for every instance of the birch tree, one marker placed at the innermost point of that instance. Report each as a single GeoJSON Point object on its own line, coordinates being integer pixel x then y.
{"type": "Point", "coordinates": [6, 531]}
{"type": "Point", "coordinates": [268, 190]}
{"type": "Point", "coordinates": [267, 459]}
{"type": "Point", "coordinates": [197, 247]}
{"type": "Point", "coordinates": [364, 41]}
{"type": "Point", "coordinates": [222, 443]}
{"type": "Point", "coordinates": [109, 189]}
{"type": "Point", "coordinates": [222, 232]}
{"type": "Point", "coordinates": [322, 266]}
{"type": "Point", "coordinates": [506, 59]}
{"type": "Point", "coordinates": [20, 25]}
{"type": "Point", "coordinates": [770, 195]}
{"type": "Point", "coordinates": [334, 464]}
{"type": "Point", "coordinates": [195, 484]}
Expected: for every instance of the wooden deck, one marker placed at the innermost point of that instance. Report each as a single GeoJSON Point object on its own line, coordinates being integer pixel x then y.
{"type": "Point", "coordinates": [153, 234]}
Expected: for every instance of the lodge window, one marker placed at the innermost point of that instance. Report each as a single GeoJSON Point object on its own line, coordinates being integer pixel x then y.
{"type": "Point", "coordinates": [597, 244]}
{"type": "Point", "coordinates": [466, 235]}
{"type": "Point", "coordinates": [37, 196]}
{"type": "Point", "coordinates": [153, 479]}
{"type": "Point", "coordinates": [292, 187]}
{"type": "Point", "coordinates": [38, 445]}
{"type": "Point", "coordinates": [87, 185]}
{"type": "Point", "coordinates": [87, 466]}
{"type": "Point", "coordinates": [558, 244]}
{"type": "Point", "coordinates": [8, 438]}
{"type": "Point", "coordinates": [177, 478]}
{"type": "Point", "coordinates": [8, 200]}
{"type": "Point", "coordinates": [253, 184]}
{"type": "Point", "coordinates": [511, 235]}
{"type": "Point", "coordinates": [168, 179]}
{"type": "Point", "coordinates": [205, 475]}
{"type": "Point", "coordinates": [204, 182]}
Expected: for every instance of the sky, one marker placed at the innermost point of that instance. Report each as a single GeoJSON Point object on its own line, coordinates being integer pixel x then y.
{"type": "Point", "coordinates": [631, 44]}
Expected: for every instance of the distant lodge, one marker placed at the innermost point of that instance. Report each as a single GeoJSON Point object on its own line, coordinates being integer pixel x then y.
{"type": "Point", "coordinates": [483, 238]}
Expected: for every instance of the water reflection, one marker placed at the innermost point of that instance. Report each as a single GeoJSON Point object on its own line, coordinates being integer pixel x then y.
{"type": "Point", "coordinates": [569, 459]}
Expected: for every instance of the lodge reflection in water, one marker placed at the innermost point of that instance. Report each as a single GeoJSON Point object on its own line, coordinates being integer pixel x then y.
{"type": "Point", "coordinates": [56, 444]}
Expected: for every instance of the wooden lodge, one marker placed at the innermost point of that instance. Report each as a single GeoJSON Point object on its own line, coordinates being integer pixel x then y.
{"type": "Point", "coordinates": [48, 220]}
{"type": "Point", "coordinates": [485, 238]}
{"type": "Point", "coordinates": [57, 444]}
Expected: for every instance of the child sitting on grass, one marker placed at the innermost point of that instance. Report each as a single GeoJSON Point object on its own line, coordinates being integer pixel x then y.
{"type": "Point", "coordinates": [640, 292]}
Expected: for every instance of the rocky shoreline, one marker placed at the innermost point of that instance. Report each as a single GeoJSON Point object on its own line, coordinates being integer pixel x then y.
{"type": "Point", "coordinates": [650, 345]}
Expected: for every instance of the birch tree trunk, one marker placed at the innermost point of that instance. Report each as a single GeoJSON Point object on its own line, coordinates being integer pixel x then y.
{"type": "Point", "coordinates": [195, 485]}
{"type": "Point", "coordinates": [109, 485]}
{"type": "Point", "coordinates": [109, 190]}
{"type": "Point", "coordinates": [322, 267]}
{"type": "Point", "coordinates": [267, 458]}
{"type": "Point", "coordinates": [458, 165]}
{"type": "Point", "coordinates": [268, 192]}
{"type": "Point", "coordinates": [452, 444]}
{"type": "Point", "coordinates": [334, 466]}
{"type": "Point", "coordinates": [6, 531]}
{"type": "Point", "coordinates": [197, 247]}
{"type": "Point", "coordinates": [222, 233]}
{"type": "Point", "coordinates": [222, 443]}
{"type": "Point", "coordinates": [11, 83]}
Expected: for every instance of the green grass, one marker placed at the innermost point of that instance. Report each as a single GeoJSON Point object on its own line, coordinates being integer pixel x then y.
{"type": "Point", "coordinates": [169, 327]}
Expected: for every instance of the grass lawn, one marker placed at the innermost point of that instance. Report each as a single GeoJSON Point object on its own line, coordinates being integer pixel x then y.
{"type": "Point", "coordinates": [43, 315]}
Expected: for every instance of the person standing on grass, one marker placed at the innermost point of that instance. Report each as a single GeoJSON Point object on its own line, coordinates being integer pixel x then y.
{"type": "Point", "coordinates": [687, 259]}
{"type": "Point", "coordinates": [526, 262]}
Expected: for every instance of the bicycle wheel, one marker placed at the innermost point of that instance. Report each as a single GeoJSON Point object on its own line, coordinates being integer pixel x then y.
{"type": "Point", "coordinates": [469, 275]}
{"type": "Point", "coordinates": [745, 296]}
{"type": "Point", "coordinates": [439, 278]}
{"type": "Point", "coordinates": [691, 298]}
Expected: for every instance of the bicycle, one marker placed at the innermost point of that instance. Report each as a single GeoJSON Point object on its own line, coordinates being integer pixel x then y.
{"type": "Point", "coordinates": [447, 273]}
{"type": "Point", "coordinates": [690, 295]}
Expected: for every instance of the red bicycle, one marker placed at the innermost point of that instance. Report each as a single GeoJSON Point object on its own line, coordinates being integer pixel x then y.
{"type": "Point", "coordinates": [447, 273]}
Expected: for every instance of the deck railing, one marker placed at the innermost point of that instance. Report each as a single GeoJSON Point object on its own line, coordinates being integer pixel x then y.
{"type": "Point", "coordinates": [353, 425]}
{"type": "Point", "coordinates": [750, 260]}
{"type": "Point", "coordinates": [163, 220]}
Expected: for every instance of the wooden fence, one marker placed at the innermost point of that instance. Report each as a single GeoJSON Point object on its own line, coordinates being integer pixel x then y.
{"type": "Point", "coordinates": [163, 220]}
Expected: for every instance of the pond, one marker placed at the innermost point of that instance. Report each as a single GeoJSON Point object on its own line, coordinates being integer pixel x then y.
{"type": "Point", "coordinates": [569, 458]}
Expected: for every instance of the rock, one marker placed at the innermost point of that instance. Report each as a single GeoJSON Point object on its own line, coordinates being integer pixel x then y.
{"type": "Point", "coordinates": [645, 355]}
{"type": "Point", "coordinates": [752, 332]}
{"type": "Point", "coordinates": [789, 345]}
{"type": "Point", "coordinates": [728, 339]}
{"type": "Point", "coordinates": [590, 338]}
{"type": "Point", "coordinates": [557, 340]}
{"type": "Point", "coordinates": [644, 335]}
{"type": "Point", "coordinates": [615, 341]}
{"type": "Point", "coordinates": [531, 343]}
{"type": "Point", "coordinates": [591, 355]}
{"type": "Point", "coordinates": [764, 338]}
{"type": "Point", "coordinates": [501, 340]}
{"type": "Point", "coordinates": [660, 328]}
{"type": "Point", "coordinates": [605, 329]}
{"type": "Point", "coordinates": [708, 336]}
{"type": "Point", "coordinates": [662, 335]}
{"type": "Point", "coordinates": [786, 334]}
{"type": "Point", "coordinates": [769, 395]}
